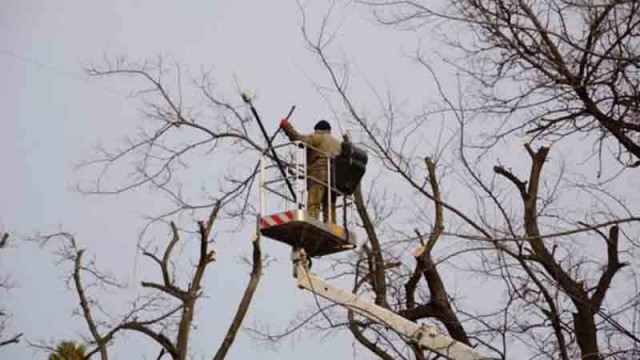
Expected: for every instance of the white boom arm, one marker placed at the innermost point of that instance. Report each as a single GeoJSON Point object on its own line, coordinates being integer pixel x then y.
{"type": "Point", "coordinates": [425, 336]}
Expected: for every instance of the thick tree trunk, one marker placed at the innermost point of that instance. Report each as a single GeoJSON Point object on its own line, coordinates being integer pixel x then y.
{"type": "Point", "coordinates": [586, 334]}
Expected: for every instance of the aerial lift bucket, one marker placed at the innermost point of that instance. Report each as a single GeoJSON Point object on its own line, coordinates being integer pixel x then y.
{"type": "Point", "coordinates": [294, 226]}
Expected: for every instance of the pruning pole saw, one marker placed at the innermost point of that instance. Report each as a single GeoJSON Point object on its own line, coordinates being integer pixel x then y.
{"type": "Point", "coordinates": [247, 100]}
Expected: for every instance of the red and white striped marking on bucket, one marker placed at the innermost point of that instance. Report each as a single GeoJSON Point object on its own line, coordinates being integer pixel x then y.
{"type": "Point", "coordinates": [276, 219]}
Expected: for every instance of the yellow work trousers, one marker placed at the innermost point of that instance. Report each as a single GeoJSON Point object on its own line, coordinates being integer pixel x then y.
{"type": "Point", "coordinates": [317, 195]}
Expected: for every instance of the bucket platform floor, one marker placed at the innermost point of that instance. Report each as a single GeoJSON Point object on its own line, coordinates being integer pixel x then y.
{"type": "Point", "coordinates": [297, 229]}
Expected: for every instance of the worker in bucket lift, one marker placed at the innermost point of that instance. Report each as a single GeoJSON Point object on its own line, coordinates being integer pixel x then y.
{"type": "Point", "coordinates": [322, 140]}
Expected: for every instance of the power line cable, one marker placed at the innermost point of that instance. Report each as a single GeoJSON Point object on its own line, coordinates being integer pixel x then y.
{"type": "Point", "coordinates": [58, 70]}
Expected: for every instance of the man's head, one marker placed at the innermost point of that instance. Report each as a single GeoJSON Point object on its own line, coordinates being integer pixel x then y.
{"type": "Point", "coordinates": [322, 125]}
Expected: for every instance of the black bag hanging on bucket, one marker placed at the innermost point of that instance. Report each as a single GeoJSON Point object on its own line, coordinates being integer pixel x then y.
{"type": "Point", "coordinates": [350, 166]}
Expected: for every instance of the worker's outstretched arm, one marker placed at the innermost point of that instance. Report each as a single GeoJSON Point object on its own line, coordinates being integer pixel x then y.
{"type": "Point", "coordinates": [292, 134]}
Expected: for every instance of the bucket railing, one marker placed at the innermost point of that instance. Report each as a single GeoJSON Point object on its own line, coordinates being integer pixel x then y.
{"type": "Point", "coordinates": [271, 180]}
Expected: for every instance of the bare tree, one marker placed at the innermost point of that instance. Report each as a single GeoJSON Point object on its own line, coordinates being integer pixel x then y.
{"type": "Point", "coordinates": [185, 124]}
{"type": "Point", "coordinates": [553, 68]}
{"type": "Point", "coordinates": [558, 294]}
{"type": "Point", "coordinates": [166, 314]}
{"type": "Point", "coordinates": [174, 135]}
{"type": "Point", "coordinates": [5, 285]}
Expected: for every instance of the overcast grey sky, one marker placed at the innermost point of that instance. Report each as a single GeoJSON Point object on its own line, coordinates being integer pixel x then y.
{"type": "Point", "coordinates": [54, 116]}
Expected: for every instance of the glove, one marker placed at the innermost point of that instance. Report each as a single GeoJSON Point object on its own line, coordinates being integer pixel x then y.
{"type": "Point", "coordinates": [284, 122]}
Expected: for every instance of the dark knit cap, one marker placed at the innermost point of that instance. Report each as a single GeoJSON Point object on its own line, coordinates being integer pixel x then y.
{"type": "Point", "coordinates": [322, 125]}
